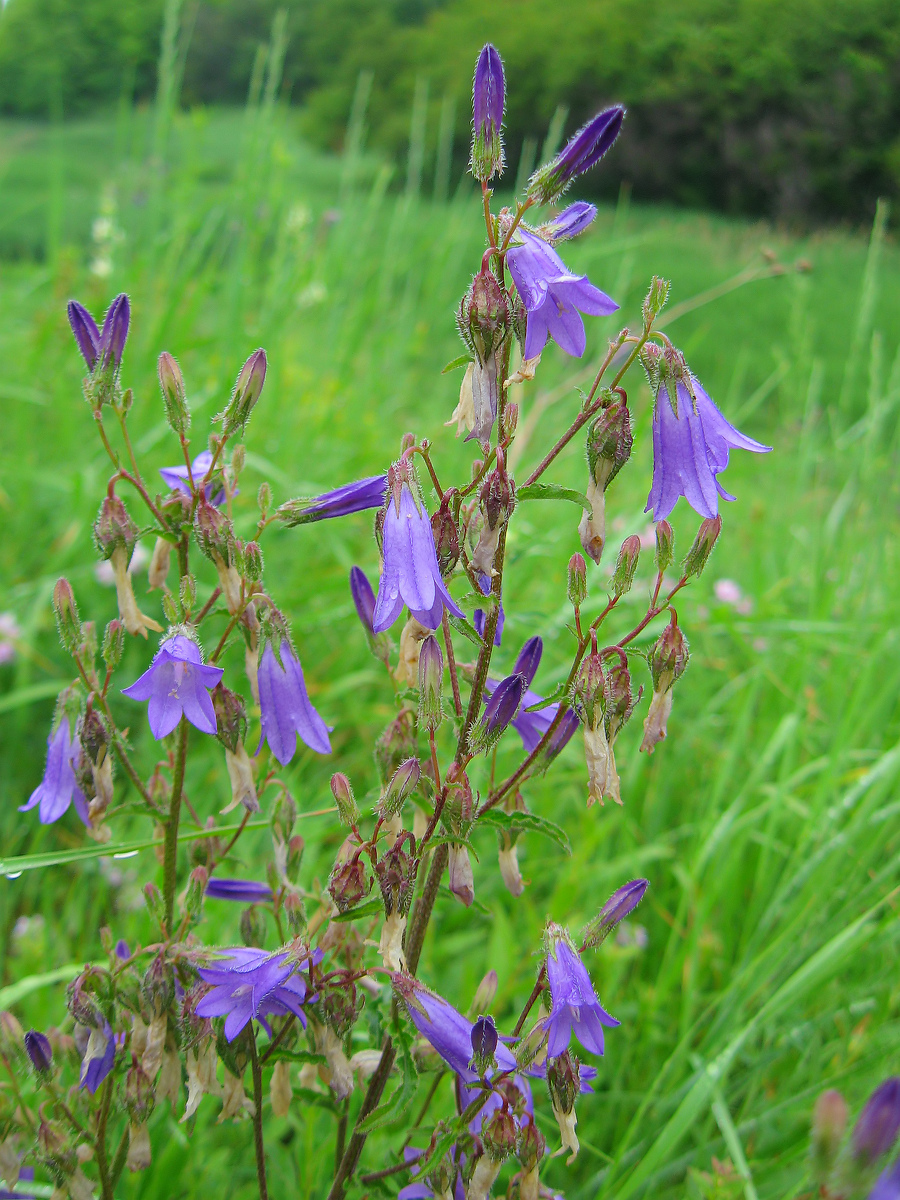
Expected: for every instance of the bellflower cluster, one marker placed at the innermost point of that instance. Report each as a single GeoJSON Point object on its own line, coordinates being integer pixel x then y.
{"type": "Point", "coordinates": [320, 987]}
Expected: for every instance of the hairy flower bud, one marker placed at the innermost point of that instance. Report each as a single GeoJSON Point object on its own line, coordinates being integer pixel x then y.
{"type": "Point", "coordinates": [431, 678]}
{"type": "Point", "coordinates": [616, 909]}
{"type": "Point", "coordinates": [878, 1124]}
{"type": "Point", "coordinates": [488, 102]}
{"type": "Point", "coordinates": [446, 538]}
{"type": "Point", "coordinates": [484, 1044]}
{"type": "Point", "coordinates": [349, 884]}
{"type": "Point", "coordinates": [113, 528]}
{"type": "Point", "coordinates": [580, 153]}
{"type": "Point", "coordinates": [252, 562]}
{"type": "Point", "coordinates": [403, 781]}
{"type": "Point", "coordinates": [68, 621]}
{"type": "Point", "coordinates": [114, 333]}
{"type": "Point", "coordinates": [344, 799]}
{"type": "Point", "coordinates": [39, 1050]}
{"type": "Point", "coordinates": [171, 383]}
{"type": "Point", "coordinates": [246, 392]}
{"type": "Point", "coordinates": [609, 442]}
{"type": "Point", "coordinates": [564, 1082]}
{"type": "Point", "coordinates": [665, 546]}
{"type": "Point", "coordinates": [510, 420]}
{"type": "Point", "coordinates": [499, 711]}
{"type": "Point", "coordinates": [231, 717]}
{"type": "Point", "coordinates": [576, 588]}
{"type": "Point", "coordinates": [829, 1124]}
{"type": "Point", "coordinates": [253, 926]}
{"type": "Point", "coordinates": [626, 565]}
{"type": "Point", "coordinates": [655, 300]}
{"type": "Point", "coordinates": [668, 662]}
{"type": "Point", "coordinates": [113, 644]}
{"type": "Point", "coordinates": [698, 555]}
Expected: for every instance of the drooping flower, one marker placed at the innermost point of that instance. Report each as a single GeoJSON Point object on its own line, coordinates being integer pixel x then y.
{"type": "Point", "coordinates": [178, 479]}
{"type": "Point", "coordinates": [570, 222]}
{"type": "Point", "coordinates": [363, 598]}
{"type": "Point", "coordinates": [582, 151]}
{"type": "Point", "coordinates": [245, 891]}
{"type": "Point", "coordinates": [410, 573]}
{"type": "Point", "coordinates": [448, 1031]}
{"type": "Point", "coordinates": [350, 498]}
{"type": "Point", "coordinates": [479, 617]}
{"type": "Point", "coordinates": [691, 438]}
{"type": "Point", "coordinates": [99, 1057]}
{"type": "Point", "coordinates": [553, 296]}
{"type": "Point", "coordinates": [177, 683]}
{"type": "Point", "coordinates": [575, 1007]}
{"type": "Point", "coordinates": [285, 707]}
{"type": "Point", "coordinates": [249, 983]}
{"type": "Point", "coordinates": [59, 788]}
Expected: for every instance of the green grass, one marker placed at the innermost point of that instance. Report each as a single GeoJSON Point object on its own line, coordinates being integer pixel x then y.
{"type": "Point", "coordinates": [768, 823]}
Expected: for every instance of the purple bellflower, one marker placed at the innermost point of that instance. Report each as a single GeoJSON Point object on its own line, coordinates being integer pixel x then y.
{"type": "Point", "coordinates": [570, 222]}
{"type": "Point", "coordinates": [579, 154]}
{"type": "Point", "coordinates": [245, 891]}
{"type": "Point", "coordinates": [123, 950]}
{"type": "Point", "coordinates": [285, 707]}
{"type": "Point", "coordinates": [99, 1057]}
{"type": "Point", "coordinates": [177, 478]}
{"type": "Point", "coordinates": [351, 498]}
{"type": "Point", "coordinates": [250, 983]}
{"type": "Point", "coordinates": [691, 439]}
{"type": "Point", "coordinates": [58, 789]}
{"type": "Point", "coordinates": [177, 683]}
{"type": "Point", "coordinates": [363, 598]}
{"type": "Point", "coordinates": [531, 726]}
{"type": "Point", "coordinates": [101, 347]}
{"type": "Point", "coordinates": [410, 573]}
{"type": "Point", "coordinates": [39, 1050]}
{"type": "Point", "coordinates": [479, 617]}
{"type": "Point", "coordinates": [553, 296]}
{"type": "Point", "coordinates": [887, 1186]}
{"type": "Point", "coordinates": [575, 1007]}
{"type": "Point", "coordinates": [505, 698]}
{"type": "Point", "coordinates": [448, 1031]}
{"type": "Point", "coordinates": [879, 1123]}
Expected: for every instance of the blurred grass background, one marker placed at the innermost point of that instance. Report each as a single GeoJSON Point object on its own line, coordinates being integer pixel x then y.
{"type": "Point", "coordinates": [768, 823]}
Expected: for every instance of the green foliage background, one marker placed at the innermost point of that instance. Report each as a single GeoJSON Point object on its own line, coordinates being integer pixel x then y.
{"type": "Point", "coordinates": [759, 106]}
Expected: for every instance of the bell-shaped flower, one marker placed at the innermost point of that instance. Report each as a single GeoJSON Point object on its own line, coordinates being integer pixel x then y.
{"type": "Point", "coordinates": [179, 480]}
{"type": "Point", "coordinates": [99, 1057]}
{"type": "Point", "coordinates": [59, 788]}
{"type": "Point", "coordinates": [448, 1031]}
{"type": "Point", "coordinates": [249, 983]}
{"type": "Point", "coordinates": [285, 707]}
{"type": "Point", "coordinates": [575, 1007]}
{"type": "Point", "coordinates": [177, 683]}
{"type": "Point", "coordinates": [554, 296]}
{"type": "Point", "coordinates": [410, 574]}
{"type": "Point", "coordinates": [691, 439]}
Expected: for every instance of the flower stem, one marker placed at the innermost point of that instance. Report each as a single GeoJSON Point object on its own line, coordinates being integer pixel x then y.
{"type": "Point", "coordinates": [258, 1144]}
{"type": "Point", "coordinates": [451, 664]}
{"type": "Point", "coordinates": [100, 1142]}
{"type": "Point", "coordinates": [170, 847]}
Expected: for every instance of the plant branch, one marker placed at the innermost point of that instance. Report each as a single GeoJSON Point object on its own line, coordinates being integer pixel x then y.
{"type": "Point", "coordinates": [170, 846]}
{"type": "Point", "coordinates": [258, 1145]}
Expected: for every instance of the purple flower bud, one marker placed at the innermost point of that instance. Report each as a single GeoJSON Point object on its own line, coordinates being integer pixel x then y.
{"type": "Point", "coordinates": [122, 949]}
{"type": "Point", "coordinates": [247, 390]}
{"type": "Point", "coordinates": [39, 1051]}
{"type": "Point", "coordinates": [244, 891]}
{"type": "Point", "coordinates": [887, 1186]}
{"type": "Point", "coordinates": [402, 783]}
{"type": "Point", "coordinates": [351, 498]}
{"type": "Point", "coordinates": [87, 335]}
{"type": "Point", "coordinates": [484, 1038]}
{"type": "Point", "coordinates": [616, 909]}
{"type": "Point", "coordinates": [114, 333]}
{"type": "Point", "coordinates": [363, 598]}
{"type": "Point", "coordinates": [529, 659]}
{"type": "Point", "coordinates": [580, 153]}
{"type": "Point", "coordinates": [344, 798]}
{"type": "Point", "coordinates": [488, 99]}
{"type": "Point", "coordinates": [503, 705]}
{"type": "Point", "coordinates": [879, 1122]}
{"type": "Point", "coordinates": [570, 222]}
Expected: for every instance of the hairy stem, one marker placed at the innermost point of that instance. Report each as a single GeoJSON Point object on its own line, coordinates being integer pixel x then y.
{"type": "Point", "coordinates": [118, 1164]}
{"type": "Point", "coordinates": [451, 664]}
{"type": "Point", "coordinates": [100, 1141]}
{"type": "Point", "coordinates": [170, 847]}
{"type": "Point", "coordinates": [258, 1144]}
{"type": "Point", "coordinates": [357, 1140]}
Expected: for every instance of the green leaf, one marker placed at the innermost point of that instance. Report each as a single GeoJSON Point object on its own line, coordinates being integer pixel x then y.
{"type": "Point", "coordinates": [369, 909]}
{"type": "Point", "coordinates": [465, 629]}
{"type": "Point", "coordinates": [526, 822]}
{"type": "Point", "coordinates": [558, 693]}
{"type": "Point", "coordinates": [462, 360]}
{"type": "Point", "coordinates": [553, 491]}
{"type": "Point", "coordinates": [301, 1056]}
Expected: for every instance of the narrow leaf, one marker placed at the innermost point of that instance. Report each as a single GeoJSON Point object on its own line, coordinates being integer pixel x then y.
{"type": "Point", "coordinates": [369, 909]}
{"type": "Point", "coordinates": [553, 491]}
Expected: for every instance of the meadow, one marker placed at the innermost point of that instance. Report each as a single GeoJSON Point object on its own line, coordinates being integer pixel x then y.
{"type": "Point", "coordinates": [761, 968]}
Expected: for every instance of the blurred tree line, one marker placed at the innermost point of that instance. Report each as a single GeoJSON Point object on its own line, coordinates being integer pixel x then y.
{"type": "Point", "coordinates": [789, 108]}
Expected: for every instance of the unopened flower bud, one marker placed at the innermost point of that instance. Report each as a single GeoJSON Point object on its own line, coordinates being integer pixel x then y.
{"type": "Point", "coordinates": [499, 1134]}
{"type": "Point", "coordinates": [231, 717]}
{"type": "Point", "coordinates": [349, 884]}
{"type": "Point", "coordinates": [616, 909]}
{"type": "Point", "coordinates": [564, 1082]}
{"type": "Point", "coordinates": [530, 1148]}
{"type": "Point", "coordinates": [510, 420]}
{"type": "Point", "coordinates": [655, 300]}
{"type": "Point", "coordinates": [626, 565]}
{"type": "Point", "coordinates": [577, 581]}
{"type": "Point", "coordinates": [669, 657]}
{"type": "Point", "coordinates": [363, 598]}
{"type": "Point", "coordinates": [68, 621]}
{"type": "Point", "coordinates": [253, 926]}
{"type": "Point", "coordinates": [879, 1123]}
{"type": "Point", "coordinates": [114, 333]}
{"type": "Point", "coordinates": [404, 781]}
{"type": "Point", "coordinates": [253, 562]}
{"type": "Point", "coordinates": [193, 900]}
{"type": "Point", "coordinates": [446, 537]}
{"type": "Point", "coordinates": [461, 878]}
{"type": "Point", "coordinates": [154, 901]}
{"type": "Point", "coordinates": [344, 799]}
{"type": "Point", "coordinates": [431, 677]}
{"type": "Point", "coordinates": [583, 151]}
{"type": "Point", "coordinates": [609, 443]}
{"type": "Point", "coordinates": [246, 392]}
{"type": "Point", "coordinates": [113, 527]}
{"type": "Point", "coordinates": [698, 555]}
{"type": "Point", "coordinates": [665, 546]}
{"type": "Point", "coordinates": [488, 102]}
{"type": "Point", "coordinates": [284, 817]}
{"type": "Point", "coordinates": [829, 1124]}
{"type": "Point", "coordinates": [264, 498]}
{"type": "Point", "coordinates": [529, 659]}
{"type": "Point", "coordinates": [39, 1050]}
{"type": "Point", "coordinates": [499, 711]}
{"type": "Point", "coordinates": [171, 383]}
{"type": "Point", "coordinates": [113, 644]}
{"type": "Point", "coordinates": [484, 1045]}
{"type": "Point", "coordinates": [485, 992]}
